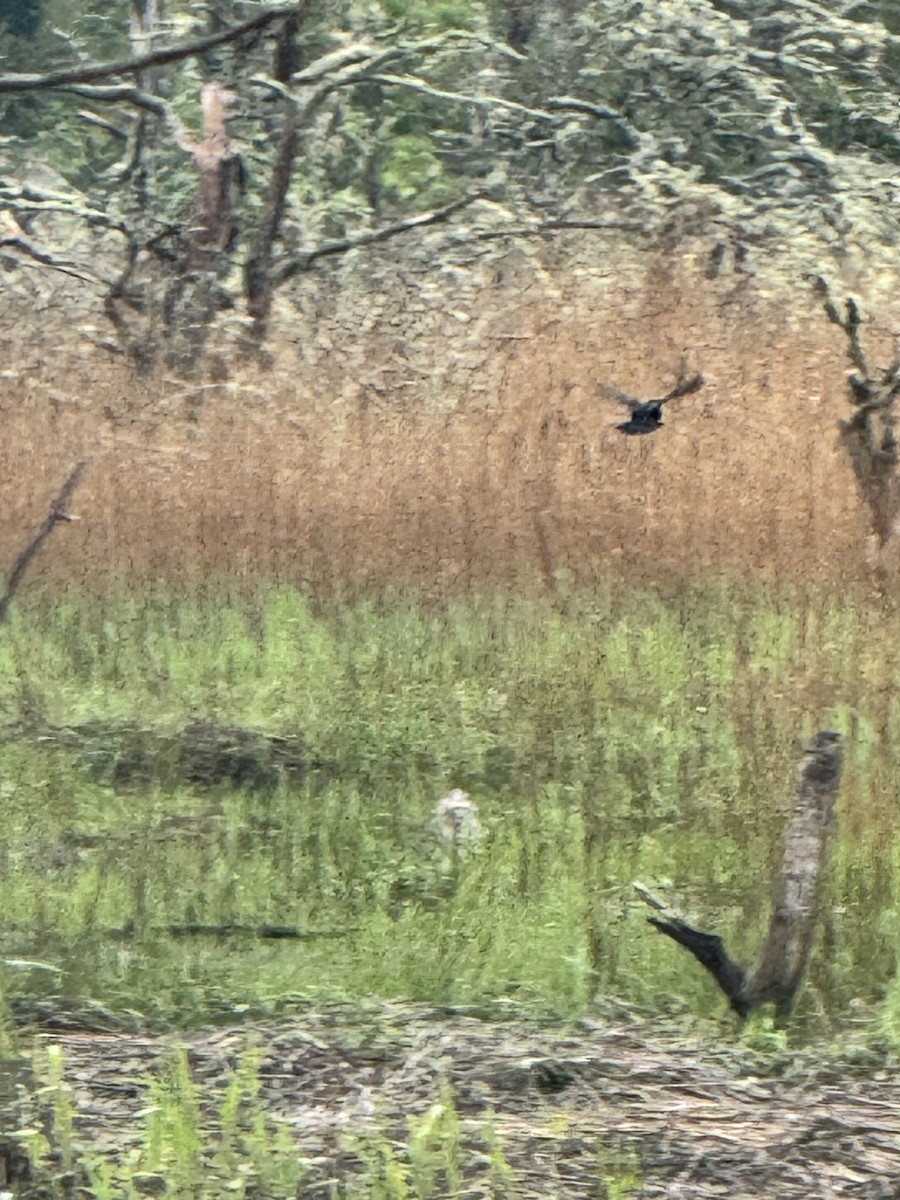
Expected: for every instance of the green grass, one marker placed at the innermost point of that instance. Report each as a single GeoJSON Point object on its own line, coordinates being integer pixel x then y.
{"type": "Point", "coordinates": [190, 1149]}
{"type": "Point", "coordinates": [198, 1144]}
{"type": "Point", "coordinates": [604, 739]}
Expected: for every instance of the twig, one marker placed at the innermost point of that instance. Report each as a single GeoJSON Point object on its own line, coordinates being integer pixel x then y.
{"type": "Point", "coordinates": [91, 118]}
{"type": "Point", "coordinates": [46, 260]}
{"type": "Point", "coordinates": [414, 84]}
{"type": "Point", "coordinates": [555, 226]}
{"type": "Point", "coordinates": [25, 198]}
{"type": "Point", "coordinates": [119, 93]}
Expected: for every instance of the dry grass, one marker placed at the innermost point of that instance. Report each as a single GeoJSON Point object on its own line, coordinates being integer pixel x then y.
{"type": "Point", "coordinates": [402, 443]}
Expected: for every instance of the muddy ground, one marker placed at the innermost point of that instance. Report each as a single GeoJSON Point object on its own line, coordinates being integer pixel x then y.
{"type": "Point", "coordinates": [689, 1116]}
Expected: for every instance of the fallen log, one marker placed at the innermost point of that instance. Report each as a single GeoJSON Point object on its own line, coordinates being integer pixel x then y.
{"type": "Point", "coordinates": [796, 895]}
{"type": "Point", "coordinates": [273, 932]}
{"type": "Point", "coordinates": [201, 755]}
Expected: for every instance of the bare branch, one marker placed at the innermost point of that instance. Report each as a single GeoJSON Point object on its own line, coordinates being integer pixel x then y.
{"type": "Point", "coordinates": [47, 260]}
{"type": "Point", "coordinates": [870, 434]}
{"type": "Point", "coordinates": [709, 950]}
{"type": "Point", "coordinates": [573, 104]}
{"type": "Point", "coordinates": [359, 52]}
{"type": "Point", "coordinates": [30, 199]}
{"type": "Point", "coordinates": [156, 58]}
{"type": "Point", "coordinates": [117, 93]}
{"type": "Point", "coordinates": [348, 76]}
{"type": "Point", "coordinates": [306, 258]}
{"type": "Point", "coordinates": [414, 84]}
{"type": "Point", "coordinates": [337, 60]}
{"type": "Point", "coordinates": [91, 118]}
{"type": "Point", "coordinates": [542, 228]}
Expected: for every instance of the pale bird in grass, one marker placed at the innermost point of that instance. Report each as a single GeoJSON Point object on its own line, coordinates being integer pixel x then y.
{"type": "Point", "coordinates": [455, 821]}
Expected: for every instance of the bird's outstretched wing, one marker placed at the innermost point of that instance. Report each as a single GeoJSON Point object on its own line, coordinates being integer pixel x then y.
{"type": "Point", "coordinates": [612, 393]}
{"type": "Point", "coordinates": [684, 387]}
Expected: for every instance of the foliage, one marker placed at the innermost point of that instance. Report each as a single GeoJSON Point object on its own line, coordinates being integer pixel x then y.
{"type": "Point", "coordinates": [751, 124]}
{"type": "Point", "coordinates": [621, 1174]}
{"type": "Point", "coordinates": [764, 117]}
{"type": "Point", "coordinates": [205, 1145]}
{"type": "Point", "coordinates": [429, 1165]}
{"type": "Point", "coordinates": [21, 18]}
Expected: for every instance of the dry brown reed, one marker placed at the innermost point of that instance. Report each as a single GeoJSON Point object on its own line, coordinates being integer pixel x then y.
{"type": "Point", "coordinates": [400, 442]}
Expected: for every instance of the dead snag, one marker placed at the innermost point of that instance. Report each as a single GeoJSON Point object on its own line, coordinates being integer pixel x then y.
{"type": "Point", "coordinates": [195, 293]}
{"type": "Point", "coordinates": [796, 899]}
{"type": "Point", "coordinates": [869, 434]}
{"type": "Point", "coordinates": [57, 513]}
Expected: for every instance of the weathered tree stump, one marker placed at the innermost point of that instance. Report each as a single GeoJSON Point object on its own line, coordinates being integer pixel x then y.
{"type": "Point", "coordinates": [796, 898]}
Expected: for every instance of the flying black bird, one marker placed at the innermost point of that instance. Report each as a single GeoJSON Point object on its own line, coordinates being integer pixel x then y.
{"type": "Point", "coordinates": [646, 415]}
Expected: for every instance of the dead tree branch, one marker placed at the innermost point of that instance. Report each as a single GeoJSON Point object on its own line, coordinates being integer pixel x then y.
{"type": "Point", "coordinates": [57, 513]}
{"type": "Point", "coordinates": [156, 58]}
{"type": "Point", "coordinates": [25, 198]}
{"type": "Point", "coordinates": [796, 899]}
{"type": "Point", "coordinates": [542, 228]}
{"type": "Point", "coordinates": [306, 258]}
{"type": "Point", "coordinates": [29, 250]}
{"type": "Point", "coordinates": [415, 84]}
{"type": "Point", "coordinates": [121, 93]}
{"type": "Point", "coordinates": [91, 118]}
{"type": "Point", "coordinates": [708, 949]}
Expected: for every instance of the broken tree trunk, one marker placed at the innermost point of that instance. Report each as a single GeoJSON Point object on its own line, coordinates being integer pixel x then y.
{"type": "Point", "coordinates": [796, 899]}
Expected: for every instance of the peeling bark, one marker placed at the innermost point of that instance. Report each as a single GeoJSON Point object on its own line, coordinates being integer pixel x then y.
{"type": "Point", "coordinates": [797, 891]}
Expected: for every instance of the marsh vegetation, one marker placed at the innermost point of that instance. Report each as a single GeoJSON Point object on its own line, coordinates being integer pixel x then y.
{"type": "Point", "coordinates": [604, 738]}
{"type": "Point", "coordinates": [151, 831]}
